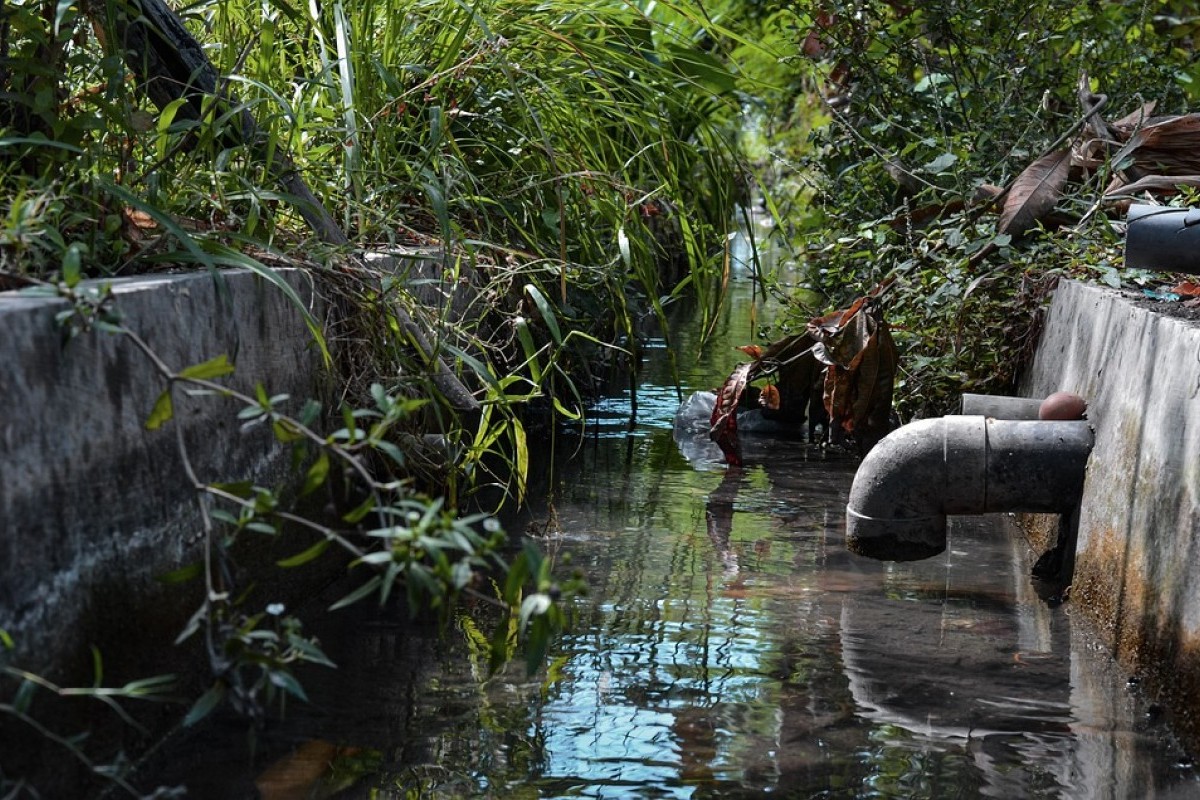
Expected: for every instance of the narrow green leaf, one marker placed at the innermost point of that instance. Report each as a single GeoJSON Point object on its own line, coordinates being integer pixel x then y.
{"type": "Point", "coordinates": [703, 68]}
{"type": "Point", "coordinates": [305, 556]}
{"type": "Point", "coordinates": [316, 475]}
{"type": "Point", "coordinates": [351, 426]}
{"type": "Point", "coordinates": [358, 594]}
{"type": "Point", "coordinates": [24, 696]}
{"type": "Point", "coordinates": [393, 452]}
{"type": "Point", "coordinates": [42, 141]}
{"type": "Point", "coordinates": [162, 412]}
{"type": "Point", "coordinates": [379, 395]}
{"type": "Point", "coordinates": [475, 364]}
{"type": "Point", "coordinates": [165, 220]}
{"type": "Point", "coordinates": [193, 624]}
{"type": "Point", "coordinates": [165, 119]}
{"type": "Point", "coordinates": [310, 412]}
{"type": "Point", "coordinates": [205, 704]}
{"type": "Point", "coordinates": [566, 412]}
{"type": "Point", "coordinates": [168, 113]}
{"type": "Point", "coordinates": [310, 651]}
{"type": "Point", "coordinates": [214, 254]}
{"type": "Point", "coordinates": [242, 489]}
{"type": "Point", "coordinates": [518, 571]}
{"type": "Point", "coordinates": [250, 412]}
{"type": "Point", "coordinates": [536, 644]}
{"type": "Point", "coordinates": [286, 681]}
{"type": "Point", "coordinates": [285, 432]}
{"type": "Point", "coordinates": [502, 644]}
{"type": "Point", "coordinates": [213, 368]}
{"type": "Point", "coordinates": [521, 445]}
{"type": "Point", "coordinates": [148, 686]}
{"type": "Point", "coordinates": [546, 310]}
{"type": "Point", "coordinates": [97, 667]}
{"type": "Point", "coordinates": [531, 352]}
{"type": "Point", "coordinates": [72, 265]}
{"type": "Point", "coordinates": [359, 511]}
{"type": "Point", "coordinates": [183, 574]}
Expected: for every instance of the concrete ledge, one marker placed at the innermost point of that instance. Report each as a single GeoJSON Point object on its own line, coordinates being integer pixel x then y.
{"type": "Point", "coordinates": [92, 505]}
{"type": "Point", "coordinates": [1137, 572]}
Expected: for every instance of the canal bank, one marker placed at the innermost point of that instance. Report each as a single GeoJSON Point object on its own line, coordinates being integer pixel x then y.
{"type": "Point", "coordinates": [94, 506]}
{"type": "Point", "coordinates": [1137, 571]}
{"type": "Point", "coordinates": [732, 645]}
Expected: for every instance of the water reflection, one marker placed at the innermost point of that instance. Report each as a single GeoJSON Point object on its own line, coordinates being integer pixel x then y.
{"type": "Point", "coordinates": [731, 647]}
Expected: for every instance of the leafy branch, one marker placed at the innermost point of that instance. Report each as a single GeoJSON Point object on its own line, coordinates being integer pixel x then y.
{"type": "Point", "coordinates": [402, 538]}
{"type": "Point", "coordinates": [19, 709]}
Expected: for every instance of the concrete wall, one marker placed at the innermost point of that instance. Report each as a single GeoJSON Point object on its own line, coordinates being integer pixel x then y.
{"type": "Point", "coordinates": [1137, 573]}
{"type": "Point", "coordinates": [92, 505]}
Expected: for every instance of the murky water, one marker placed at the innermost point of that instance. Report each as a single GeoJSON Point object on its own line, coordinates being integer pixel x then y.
{"type": "Point", "coordinates": [730, 648]}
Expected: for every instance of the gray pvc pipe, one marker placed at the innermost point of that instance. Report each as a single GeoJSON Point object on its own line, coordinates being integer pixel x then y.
{"type": "Point", "coordinates": [1000, 407]}
{"type": "Point", "coordinates": [922, 472]}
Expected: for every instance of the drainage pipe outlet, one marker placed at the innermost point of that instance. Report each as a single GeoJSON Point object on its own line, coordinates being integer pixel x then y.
{"type": "Point", "coordinates": [922, 472]}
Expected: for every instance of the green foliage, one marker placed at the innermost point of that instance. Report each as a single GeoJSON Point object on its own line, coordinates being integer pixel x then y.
{"type": "Point", "coordinates": [25, 697]}
{"type": "Point", "coordinates": [588, 143]}
{"type": "Point", "coordinates": [584, 146]}
{"type": "Point", "coordinates": [924, 104]}
{"type": "Point", "coordinates": [394, 537]}
{"type": "Point", "coordinates": [401, 538]}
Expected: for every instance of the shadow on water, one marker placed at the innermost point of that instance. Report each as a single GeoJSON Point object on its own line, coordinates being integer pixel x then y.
{"type": "Point", "coordinates": [730, 647]}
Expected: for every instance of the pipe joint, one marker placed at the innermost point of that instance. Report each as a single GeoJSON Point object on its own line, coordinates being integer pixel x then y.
{"type": "Point", "coordinates": [922, 472]}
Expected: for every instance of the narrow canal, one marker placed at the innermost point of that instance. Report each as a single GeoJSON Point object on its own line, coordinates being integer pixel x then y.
{"type": "Point", "coordinates": [729, 647]}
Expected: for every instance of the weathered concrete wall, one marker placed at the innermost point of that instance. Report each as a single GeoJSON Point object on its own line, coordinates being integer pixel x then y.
{"type": "Point", "coordinates": [1137, 571]}
{"type": "Point", "coordinates": [92, 505]}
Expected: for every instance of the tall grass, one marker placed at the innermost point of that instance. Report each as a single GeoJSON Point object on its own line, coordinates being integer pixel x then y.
{"type": "Point", "coordinates": [586, 147]}
{"type": "Point", "coordinates": [579, 152]}
{"type": "Point", "coordinates": [592, 139]}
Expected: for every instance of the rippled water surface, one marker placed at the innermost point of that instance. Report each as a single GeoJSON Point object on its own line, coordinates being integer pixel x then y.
{"type": "Point", "coordinates": [730, 647]}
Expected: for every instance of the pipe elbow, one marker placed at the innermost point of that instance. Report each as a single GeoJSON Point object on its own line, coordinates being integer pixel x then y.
{"type": "Point", "coordinates": [897, 504]}
{"type": "Point", "coordinates": [922, 472]}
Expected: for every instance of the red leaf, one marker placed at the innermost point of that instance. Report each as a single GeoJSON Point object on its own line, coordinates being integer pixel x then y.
{"type": "Point", "coordinates": [723, 425]}
{"type": "Point", "coordinates": [769, 397]}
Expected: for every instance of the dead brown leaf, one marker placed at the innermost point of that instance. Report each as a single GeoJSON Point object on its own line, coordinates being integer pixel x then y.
{"type": "Point", "coordinates": [1154, 183]}
{"type": "Point", "coordinates": [856, 387]}
{"type": "Point", "coordinates": [1035, 192]}
{"type": "Point", "coordinates": [1138, 117]}
{"type": "Point", "coordinates": [1166, 146]}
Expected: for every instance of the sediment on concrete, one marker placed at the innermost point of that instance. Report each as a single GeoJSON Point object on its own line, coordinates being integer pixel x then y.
{"type": "Point", "coordinates": [93, 505]}
{"type": "Point", "coordinates": [1137, 572]}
